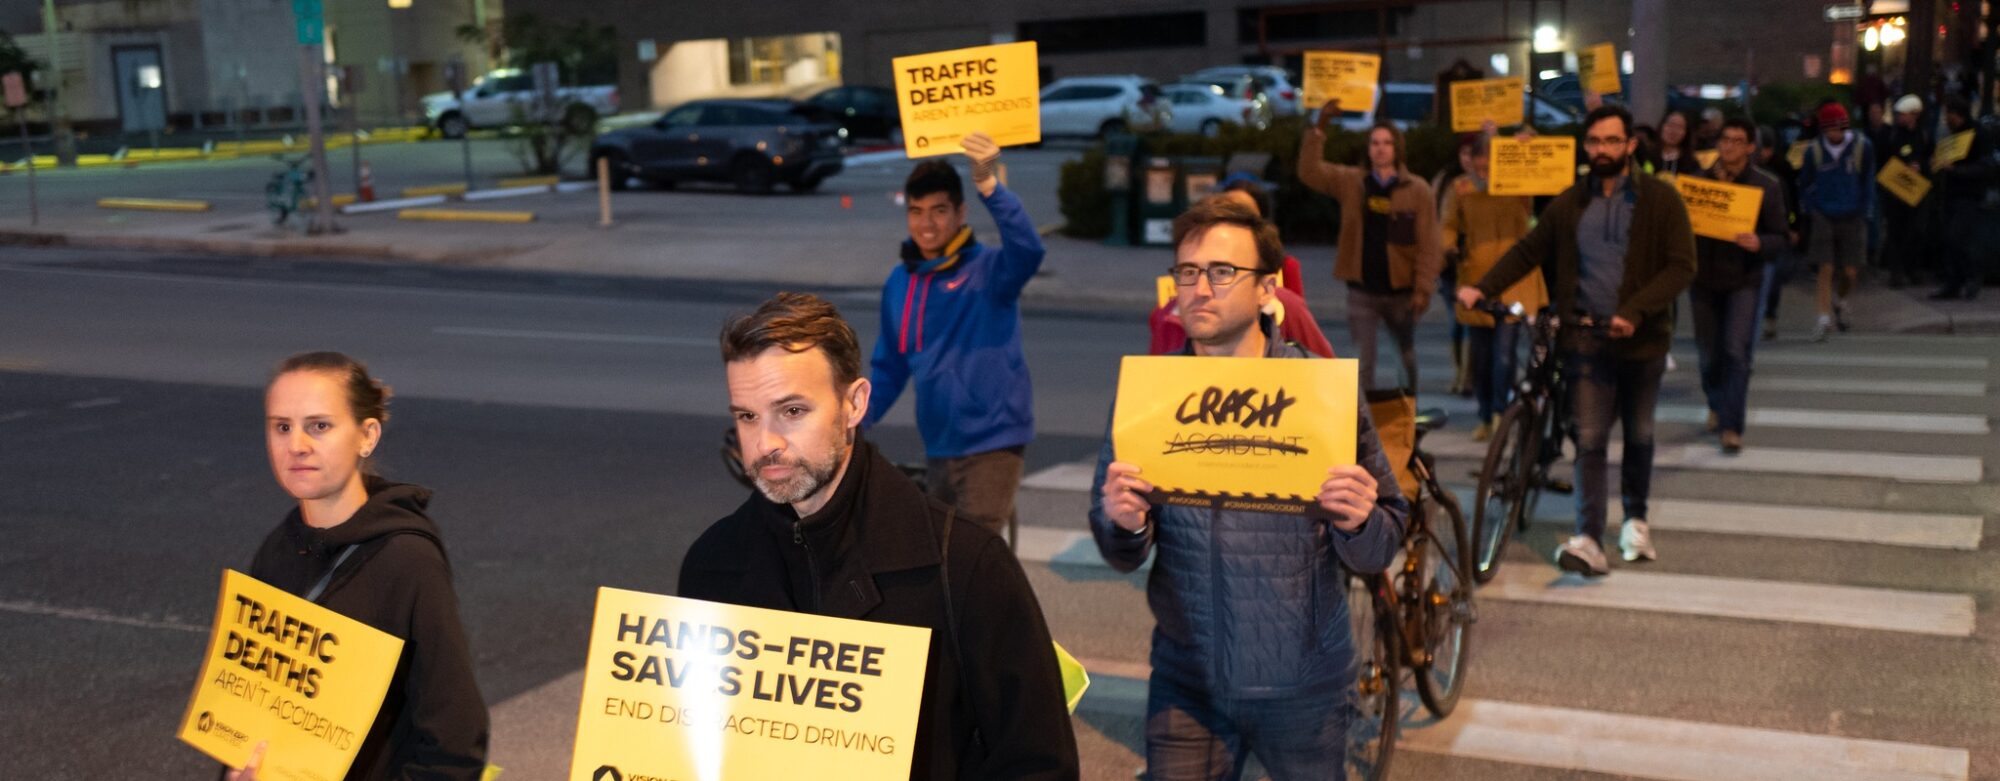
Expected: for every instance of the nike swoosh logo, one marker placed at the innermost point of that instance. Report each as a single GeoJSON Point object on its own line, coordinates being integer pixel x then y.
{"type": "Point", "coordinates": [953, 285]}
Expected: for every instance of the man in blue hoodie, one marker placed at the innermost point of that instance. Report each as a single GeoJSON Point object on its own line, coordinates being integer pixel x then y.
{"type": "Point", "coordinates": [975, 408]}
{"type": "Point", "coordinates": [1837, 193]}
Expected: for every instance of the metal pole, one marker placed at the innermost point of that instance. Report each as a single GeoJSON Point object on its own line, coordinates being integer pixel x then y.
{"type": "Point", "coordinates": [59, 125]}
{"type": "Point", "coordinates": [34, 203]}
{"type": "Point", "coordinates": [465, 144]}
{"type": "Point", "coordinates": [1649, 59]}
{"type": "Point", "coordinates": [312, 87]}
{"type": "Point", "coordinates": [354, 139]}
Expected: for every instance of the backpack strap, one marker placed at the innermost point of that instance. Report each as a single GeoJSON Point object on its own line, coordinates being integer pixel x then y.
{"type": "Point", "coordinates": [951, 624]}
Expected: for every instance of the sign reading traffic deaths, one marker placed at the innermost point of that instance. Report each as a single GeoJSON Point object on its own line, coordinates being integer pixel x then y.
{"type": "Point", "coordinates": [699, 691]}
{"type": "Point", "coordinates": [1544, 165]}
{"type": "Point", "coordinates": [1250, 434]}
{"type": "Point", "coordinates": [946, 96]}
{"type": "Point", "coordinates": [1720, 210]}
{"type": "Point", "coordinates": [1349, 77]}
{"type": "Point", "coordinates": [287, 672]}
{"type": "Point", "coordinates": [1599, 67]}
{"type": "Point", "coordinates": [1951, 149]}
{"type": "Point", "coordinates": [1474, 103]}
{"type": "Point", "coordinates": [1903, 181]}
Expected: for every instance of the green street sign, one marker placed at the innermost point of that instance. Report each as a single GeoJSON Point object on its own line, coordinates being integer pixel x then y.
{"type": "Point", "coordinates": [312, 21]}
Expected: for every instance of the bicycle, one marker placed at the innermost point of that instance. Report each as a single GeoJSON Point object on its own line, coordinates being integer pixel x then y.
{"type": "Point", "coordinates": [1528, 439]}
{"type": "Point", "coordinates": [1416, 618]}
{"type": "Point", "coordinates": [287, 189]}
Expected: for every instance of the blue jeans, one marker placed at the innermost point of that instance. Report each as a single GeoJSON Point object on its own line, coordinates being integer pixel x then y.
{"type": "Point", "coordinates": [1603, 390]}
{"type": "Point", "coordinates": [1725, 328]}
{"type": "Point", "coordinates": [1493, 367]}
{"type": "Point", "coordinates": [1191, 736]}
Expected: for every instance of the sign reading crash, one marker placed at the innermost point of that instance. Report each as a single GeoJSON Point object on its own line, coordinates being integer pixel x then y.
{"type": "Point", "coordinates": [1247, 434]}
{"type": "Point", "coordinates": [284, 671]}
{"type": "Point", "coordinates": [945, 96]}
{"type": "Point", "coordinates": [698, 691]}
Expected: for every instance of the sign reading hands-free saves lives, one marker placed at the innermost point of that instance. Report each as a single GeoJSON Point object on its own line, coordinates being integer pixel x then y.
{"type": "Point", "coordinates": [1544, 165]}
{"type": "Point", "coordinates": [1253, 434]}
{"type": "Point", "coordinates": [1474, 103]}
{"type": "Point", "coordinates": [690, 690]}
{"type": "Point", "coordinates": [946, 96]}
{"type": "Point", "coordinates": [282, 670]}
{"type": "Point", "coordinates": [1349, 77]}
{"type": "Point", "coordinates": [1720, 210]}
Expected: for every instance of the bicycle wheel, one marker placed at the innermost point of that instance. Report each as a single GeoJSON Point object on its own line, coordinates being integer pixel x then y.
{"type": "Point", "coordinates": [1374, 700]}
{"type": "Point", "coordinates": [1502, 487]}
{"type": "Point", "coordinates": [1446, 605]}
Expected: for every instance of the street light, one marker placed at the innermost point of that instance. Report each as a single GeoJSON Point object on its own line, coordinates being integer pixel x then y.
{"type": "Point", "coordinates": [1548, 39]}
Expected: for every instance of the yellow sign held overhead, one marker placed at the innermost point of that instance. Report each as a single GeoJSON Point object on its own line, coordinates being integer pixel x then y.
{"type": "Point", "coordinates": [1904, 182]}
{"type": "Point", "coordinates": [289, 673]}
{"type": "Point", "coordinates": [1720, 210]}
{"type": "Point", "coordinates": [1598, 65]}
{"type": "Point", "coordinates": [1350, 77]}
{"type": "Point", "coordinates": [1951, 149]}
{"type": "Point", "coordinates": [1474, 103]}
{"type": "Point", "coordinates": [1706, 158]}
{"type": "Point", "coordinates": [1237, 433]}
{"type": "Point", "coordinates": [946, 96]}
{"type": "Point", "coordinates": [701, 691]}
{"type": "Point", "coordinates": [1544, 165]}
{"type": "Point", "coordinates": [1796, 155]}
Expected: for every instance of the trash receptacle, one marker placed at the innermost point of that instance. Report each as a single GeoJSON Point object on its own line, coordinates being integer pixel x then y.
{"type": "Point", "coordinates": [1160, 201]}
{"type": "Point", "coordinates": [1119, 152]}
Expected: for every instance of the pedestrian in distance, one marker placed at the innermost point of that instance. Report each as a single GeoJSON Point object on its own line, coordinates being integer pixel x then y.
{"type": "Point", "coordinates": [1771, 156]}
{"type": "Point", "coordinates": [1389, 254]}
{"type": "Point", "coordinates": [1488, 225]}
{"type": "Point", "coordinates": [1962, 188]}
{"type": "Point", "coordinates": [1251, 650]}
{"type": "Point", "coordinates": [835, 529]}
{"type": "Point", "coordinates": [951, 326]}
{"type": "Point", "coordinates": [1905, 140]}
{"type": "Point", "coordinates": [1728, 281]}
{"type": "Point", "coordinates": [364, 547]}
{"type": "Point", "coordinates": [1837, 193]}
{"type": "Point", "coordinates": [1615, 249]}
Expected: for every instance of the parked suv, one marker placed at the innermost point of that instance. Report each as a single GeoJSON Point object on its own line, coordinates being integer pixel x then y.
{"type": "Point", "coordinates": [862, 112]}
{"type": "Point", "coordinates": [754, 144]}
{"type": "Point", "coordinates": [1096, 105]}
{"type": "Point", "coordinates": [1274, 82]}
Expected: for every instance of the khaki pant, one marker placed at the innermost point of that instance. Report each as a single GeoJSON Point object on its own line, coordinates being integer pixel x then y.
{"type": "Point", "coordinates": [981, 486]}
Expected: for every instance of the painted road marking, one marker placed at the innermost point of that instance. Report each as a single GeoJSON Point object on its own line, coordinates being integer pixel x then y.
{"type": "Point", "coordinates": [571, 336]}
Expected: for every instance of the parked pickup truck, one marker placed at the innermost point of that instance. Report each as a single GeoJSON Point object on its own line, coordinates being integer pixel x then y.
{"type": "Point", "coordinates": [504, 97]}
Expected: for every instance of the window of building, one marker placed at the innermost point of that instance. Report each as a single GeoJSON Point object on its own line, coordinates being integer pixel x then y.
{"type": "Point", "coordinates": [1106, 33]}
{"type": "Point", "coordinates": [1315, 25]}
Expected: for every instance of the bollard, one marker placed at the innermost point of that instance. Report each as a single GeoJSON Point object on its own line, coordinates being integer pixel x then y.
{"type": "Point", "coordinates": [604, 192]}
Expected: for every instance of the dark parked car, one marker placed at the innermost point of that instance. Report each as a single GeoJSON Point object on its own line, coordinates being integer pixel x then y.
{"type": "Point", "coordinates": [862, 112]}
{"type": "Point", "coordinates": [753, 144]}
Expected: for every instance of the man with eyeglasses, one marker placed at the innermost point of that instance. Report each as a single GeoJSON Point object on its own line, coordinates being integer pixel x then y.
{"type": "Point", "coordinates": [1251, 649]}
{"type": "Point", "coordinates": [1615, 250]}
{"type": "Point", "coordinates": [1729, 275]}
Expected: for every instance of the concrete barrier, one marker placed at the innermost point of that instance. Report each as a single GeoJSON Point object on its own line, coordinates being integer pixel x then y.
{"type": "Point", "coordinates": [153, 204]}
{"type": "Point", "coordinates": [396, 203]}
{"type": "Point", "coordinates": [506, 192]}
{"type": "Point", "coordinates": [464, 215]}
{"type": "Point", "coordinates": [530, 181]}
{"type": "Point", "coordinates": [435, 189]}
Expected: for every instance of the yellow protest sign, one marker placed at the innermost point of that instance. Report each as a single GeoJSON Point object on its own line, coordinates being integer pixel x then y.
{"type": "Point", "coordinates": [1797, 154]}
{"type": "Point", "coordinates": [1904, 182]}
{"type": "Point", "coordinates": [1598, 65]}
{"type": "Point", "coordinates": [1252, 434]}
{"type": "Point", "coordinates": [1166, 289]}
{"type": "Point", "coordinates": [1544, 165]}
{"type": "Point", "coordinates": [1348, 76]}
{"type": "Point", "coordinates": [284, 671]}
{"type": "Point", "coordinates": [945, 96]}
{"type": "Point", "coordinates": [1951, 149]}
{"type": "Point", "coordinates": [700, 691]}
{"type": "Point", "coordinates": [1474, 103]}
{"type": "Point", "coordinates": [1706, 158]}
{"type": "Point", "coordinates": [1720, 210]}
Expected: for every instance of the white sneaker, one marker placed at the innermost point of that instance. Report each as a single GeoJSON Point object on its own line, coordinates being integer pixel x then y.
{"type": "Point", "coordinates": [1584, 556]}
{"type": "Point", "coordinates": [1824, 324]}
{"type": "Point", "coordinates": [1635, 540]}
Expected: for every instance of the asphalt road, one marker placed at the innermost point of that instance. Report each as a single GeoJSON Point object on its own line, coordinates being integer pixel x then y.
{"type": "Point", "coordinates": [570, 430]}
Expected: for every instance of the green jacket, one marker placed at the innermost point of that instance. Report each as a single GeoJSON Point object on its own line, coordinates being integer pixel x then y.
{"type": "Point", "coordinates": [1659, 262]}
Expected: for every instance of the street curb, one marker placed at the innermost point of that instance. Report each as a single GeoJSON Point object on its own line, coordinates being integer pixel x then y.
{"type": "Point", "coordinates": [303, 247]}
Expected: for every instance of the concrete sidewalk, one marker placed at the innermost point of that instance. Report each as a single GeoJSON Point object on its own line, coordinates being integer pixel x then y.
{"type": "Point", "coordinates": [840, 238]}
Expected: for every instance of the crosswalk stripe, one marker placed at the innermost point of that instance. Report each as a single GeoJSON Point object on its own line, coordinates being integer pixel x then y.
{"type": "Point", "coordinates": [1766, 600]}
{"type": "Point", "coordinates": [1874, 527]}
{"type": "Point", "coordinates": [1766, 460]}
{"type": "Point", "coordinates": [1848, 385]}
{"type": "Point", "coordinates": [1572, 739]}
{"type": "Point", "coordinates": [1782, 417]}
{"type": "Point", "coordinates": [1856, 361]}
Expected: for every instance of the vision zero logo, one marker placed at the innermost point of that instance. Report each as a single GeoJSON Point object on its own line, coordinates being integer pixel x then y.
{"type": "Point", "coordinates": [207, 725]}
{"type": "Point", "coordinates": [609, 773]}
{"type": "Point", "coordinates": [923, 142]}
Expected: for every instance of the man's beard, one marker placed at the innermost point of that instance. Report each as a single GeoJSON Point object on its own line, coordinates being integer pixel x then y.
{"type": "Point", "coordinates": [1601, 166]}
{"type": "Point", "coordinates": [808, 477]}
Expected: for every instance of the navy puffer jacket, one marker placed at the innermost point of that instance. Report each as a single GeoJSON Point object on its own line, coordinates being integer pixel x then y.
{"type": "Point", "coordinates": [1254, 605]}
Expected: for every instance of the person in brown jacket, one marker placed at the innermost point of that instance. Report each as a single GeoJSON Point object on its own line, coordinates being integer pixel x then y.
{"type": "Point", "coordinates": [1389, 253]}
{"type": "Point", "coordinates": [1616, 249]}
{"type": "Point", "coordinates": [1489, 225]}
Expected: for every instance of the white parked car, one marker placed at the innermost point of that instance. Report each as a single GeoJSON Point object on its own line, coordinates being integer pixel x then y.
{"type": "Point", "coordinates": [1276, 84]}
{"type": "Point", "coordinates": [1096, 105]}
{"type": "Point", "coordinates": [1407, 104]}
{"type": "Point", "coordinates": [1205, 108]}
{"type": "Point", "coordinates": [503, 97]}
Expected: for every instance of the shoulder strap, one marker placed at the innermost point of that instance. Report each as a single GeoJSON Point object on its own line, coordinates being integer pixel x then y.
{"type": "Point", "coordinates": [951, 623]}
{"type": "Point", "coordinates": [320, 587]}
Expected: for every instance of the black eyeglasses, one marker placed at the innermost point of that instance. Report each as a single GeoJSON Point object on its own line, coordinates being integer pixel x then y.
{"type": "Point", "coordinates": [1220, 275]}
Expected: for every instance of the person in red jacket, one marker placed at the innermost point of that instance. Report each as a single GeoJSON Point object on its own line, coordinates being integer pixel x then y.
{"type": "Point", "coordinates": [1295, 322]}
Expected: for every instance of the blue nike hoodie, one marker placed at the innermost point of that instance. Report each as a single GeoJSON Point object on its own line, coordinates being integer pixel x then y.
{"type": "Point", "coordinates": [953, 325]}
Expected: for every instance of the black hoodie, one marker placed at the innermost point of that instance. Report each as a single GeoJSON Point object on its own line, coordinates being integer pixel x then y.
{"type": "Point", "coordinates": [433, 722]}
